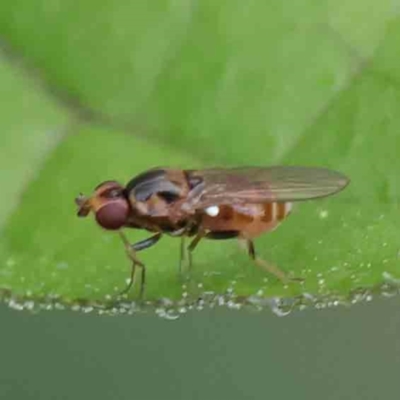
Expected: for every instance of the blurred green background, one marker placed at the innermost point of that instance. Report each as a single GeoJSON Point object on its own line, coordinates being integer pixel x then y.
{"type": "Point", "coordinates": [91, 92]}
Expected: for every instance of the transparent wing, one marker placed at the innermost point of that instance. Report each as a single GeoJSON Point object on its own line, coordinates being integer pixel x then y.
{"type": "Point", "coordinates": [257, 185]}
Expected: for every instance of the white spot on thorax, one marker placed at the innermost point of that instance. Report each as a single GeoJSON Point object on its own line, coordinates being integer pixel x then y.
{"type": "Point", "coordinates": [212, 211]}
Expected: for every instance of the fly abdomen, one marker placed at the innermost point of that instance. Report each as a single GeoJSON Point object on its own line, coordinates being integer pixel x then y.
{"type": "Point", "coordinates": [276, 212]}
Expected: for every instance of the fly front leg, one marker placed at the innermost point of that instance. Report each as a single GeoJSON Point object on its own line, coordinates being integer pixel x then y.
{"type": "Point", "coordinates": [131, 250]}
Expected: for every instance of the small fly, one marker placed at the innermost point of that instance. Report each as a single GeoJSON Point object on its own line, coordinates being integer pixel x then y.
{"type": "Point", "coordinates": [216, 203]}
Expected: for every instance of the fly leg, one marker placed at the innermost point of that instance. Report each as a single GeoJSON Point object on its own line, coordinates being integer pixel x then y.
{"type": "Point", "coordinates": [271, 268]}
{"type": "Point", "coordinates": [190, 283]}
{"type": "Point", "coordinates": [180, 232]}
{"type": "Point", "coordinates": [183, 232]}
{"type": "Point", "coordinates": [131, 250]}
{"type": "Point", "coordinates": [193, 244]}
{"type": "Point", "coordinates": [181, 254]}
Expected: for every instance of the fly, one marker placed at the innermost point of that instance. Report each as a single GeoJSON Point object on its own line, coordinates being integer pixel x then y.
{"type": "Point", "coordinates": [216, 203]}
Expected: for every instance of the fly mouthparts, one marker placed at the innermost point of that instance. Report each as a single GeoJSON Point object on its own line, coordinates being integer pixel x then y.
{"type": "Point", "coordinates": [83, 205]}
{"type": "Point", "coordinates": [81, 200]}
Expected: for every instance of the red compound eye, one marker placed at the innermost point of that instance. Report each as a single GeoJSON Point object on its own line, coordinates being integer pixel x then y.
{"type": "Point", "coordinates": [113, 215]}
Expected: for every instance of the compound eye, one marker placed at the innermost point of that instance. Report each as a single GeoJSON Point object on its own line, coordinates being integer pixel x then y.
{"type": "Point", "coordinates": [113, 215]}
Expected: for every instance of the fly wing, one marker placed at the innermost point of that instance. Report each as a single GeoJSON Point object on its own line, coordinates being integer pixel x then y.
{"type": "Point", "coordinates": [260, 185]}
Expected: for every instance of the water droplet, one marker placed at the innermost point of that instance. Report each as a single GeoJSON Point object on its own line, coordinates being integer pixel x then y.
{"type": "Point", "coordinates": [389, 277]}
{"type": "Point", "coordinates": [15, 305]}
{"type": "Point", "coordinates": [220, 300]}
{"type": "Point", "coordinates": [229, 290]}
{"type": "Point", "coordinates": [62, 265]}
{"type": "Point", "coordinates": [167, 314]}
{"type": "Point", "coordinates": [166, 302]}
{"type": "Point", "coordinates": [231, 304]}
{"type": "Point", "coordinates": [211, 273]}
{"type": "Point", "coordinates": [10, 262]}
{"type": "Point", "coordinates": [323, 214]}
{"type": "Point", "coordinates": [278, 308]}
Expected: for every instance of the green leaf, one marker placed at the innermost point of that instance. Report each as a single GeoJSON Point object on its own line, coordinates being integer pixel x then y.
{"type": "Point", "coordinates": [194, 85]}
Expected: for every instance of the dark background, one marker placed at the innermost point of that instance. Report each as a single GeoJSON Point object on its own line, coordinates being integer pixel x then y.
{"type": "Point", "coordinates": [341, 353]}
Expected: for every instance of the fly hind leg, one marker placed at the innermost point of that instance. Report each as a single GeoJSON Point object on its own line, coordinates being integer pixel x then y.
{"type": "Point", "coordinates": [270, 268]}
